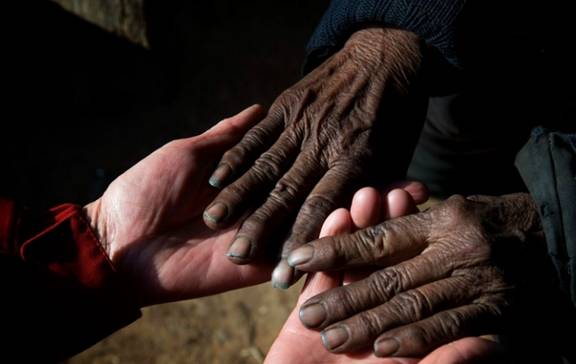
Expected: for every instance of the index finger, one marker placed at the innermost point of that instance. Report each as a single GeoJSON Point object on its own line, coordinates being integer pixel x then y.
{"type": "Point", "coordinates": [385, 244]}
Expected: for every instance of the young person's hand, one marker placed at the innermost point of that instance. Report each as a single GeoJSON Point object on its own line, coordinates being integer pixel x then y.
{"type": "Point", "coordinates": [149, 220]}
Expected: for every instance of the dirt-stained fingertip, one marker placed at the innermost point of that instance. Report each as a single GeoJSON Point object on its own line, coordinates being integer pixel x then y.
{"type": "Point", "coordinates": [386, 347]}
{"type": "Point", "coordinates": [240, 251]}
{"type": "Point", "coordinates": [334, 338]}
{"type": "Point", "coordinates": [300, 256]}
{"type": "Point", "coordinates": [220, 176]}
{"type": "Point", "coordinates": [312, 315]}
{"type": "Point", "coordinates": [283, 275]}
{"type": "Point", "coordinates": [215, 214]}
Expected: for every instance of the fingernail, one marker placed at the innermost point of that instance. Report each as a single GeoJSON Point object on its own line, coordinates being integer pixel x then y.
{"type": "Point", "coordinates": [386, 347]}
{"type": "Point", "coordinates": [335, 337]}
{"type": "Point", "coordinates": [300, 255]}
{"type": "Point", "coordinates": [282, 275]}
{"type": "Point", "coordinates": [240, 248]}
{"type": "Point", "coordinates": [220, 175]}
{"type": "Point", "coordinates": [216, 212]}
{"type": "Point", "coordinates": [312, 315]}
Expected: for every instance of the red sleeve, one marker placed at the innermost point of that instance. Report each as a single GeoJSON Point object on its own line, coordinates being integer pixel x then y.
{"type": "Point", "coordinates": [6, 223]}
{"type": "Point", "coordinates": [60, 293]}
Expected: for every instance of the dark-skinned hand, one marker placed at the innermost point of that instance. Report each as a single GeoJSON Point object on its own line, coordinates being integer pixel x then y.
{"type": "Point", "coordinates": [319, 142]}
{"type": "Point", "coordinates": [296, 344]}
{"type": "Point", "coordinates": [449, 272]}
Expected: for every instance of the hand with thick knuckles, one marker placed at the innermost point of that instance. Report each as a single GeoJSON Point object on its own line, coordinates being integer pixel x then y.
{"type": "Point", "coordinates": [319, 142]}
{"type": "Point", "coordinates": [448, 273]}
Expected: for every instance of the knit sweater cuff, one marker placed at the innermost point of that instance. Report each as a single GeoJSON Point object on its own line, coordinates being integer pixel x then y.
{"type": "Point", "coordinates": [433, 20]}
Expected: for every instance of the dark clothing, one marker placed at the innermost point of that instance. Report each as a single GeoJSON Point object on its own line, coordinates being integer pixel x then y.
{"type": "Point", "coordinates": [433, 20]}
{"type": "Point", "coordinates": [548, 165]}
{"type": "Point", "coordinates": [60, 293]}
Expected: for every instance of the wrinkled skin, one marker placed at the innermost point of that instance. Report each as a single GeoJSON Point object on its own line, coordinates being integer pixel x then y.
{"type": "Point", "coordinates": [319, 142]}
{"type": "Point", "coordinates": [296, 344]}
{"type": "Point", "coordinates": [368, 208]}
{"type": "Point", "coordinates": [449, 274]}
{"type": "Point", "coordinates": [149, 220]}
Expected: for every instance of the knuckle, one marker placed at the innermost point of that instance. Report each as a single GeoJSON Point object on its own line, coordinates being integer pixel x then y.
{"type": "Point", "coordinates": [495, 305]}
{"type": "Point", "coordinates": [369, 324]}
{"type": "Point", "coordinates": [456, 205]}
{"type": "Point", "coordinates": [462, 219]}
{"type": "Point", "coordinates": [456, 199]}
{"type": "Point", "coordinates": [385, 284]}
{"type": "Point", "coordinates": [289, 95]}
{"type": "Point", "coordinates": [476, 198]}
{"type": "Point", "coordinates": [297, 104]}
{"type": "Point", "coordinates": [375, 239]}
{"type": "Point", "coordinates": [463, 212]}
{"type": "Point", "coordinates": [413, 305]}
{"type": "Point", "coordinates": [420, 337]}
{"type": "Point", "coordinates": [234, 155]}
{"type": "Point", "coordinates": [363, 247]}
{"type": "Point", "coordinates": [286, 101]}
{"type": "Point", "coordinates": [257, 135]}
{"type": "Point", "coordinates": [267, 166]}
{"type": "Point", "coordinates": [317, 206]}
{"type": "Point", "coordinates": [236, 195]}
{"type": "Point", "coordinates": [452, 324]}
{"type": "Point", "coordinates": [254, 139]}
{"type": "Point", "coordinates": [234, 192]}
{"type": "Point", "coordinates": [284, 191]}
{"type": "Point", "coordinates": [345, 302]}
{"type": "Point", "coordinates": [357, 248]}
{"type": "Point", "coordinates": [254, 222]}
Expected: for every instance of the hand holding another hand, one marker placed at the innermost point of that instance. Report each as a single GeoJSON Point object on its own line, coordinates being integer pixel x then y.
{"type": "Point", "coordinates": [296, 344]}
{"type": "Point", "coordinates": [149, 220]}
{"type": "Point", "coordinates": [449, 273]}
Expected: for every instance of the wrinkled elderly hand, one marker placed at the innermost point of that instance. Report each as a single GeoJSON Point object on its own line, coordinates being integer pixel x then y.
{"type": "Point", "coordinates": [296, 344]}
{"type": "Point", "coordinates": [318, 143]}
{"type": "Point", "coordinates": [368, 208]}
{"type": "Point", "coordinates": [455, 275]}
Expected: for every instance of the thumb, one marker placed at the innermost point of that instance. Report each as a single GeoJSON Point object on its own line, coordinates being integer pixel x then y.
{"type": "Point", "coordinates": [226, 133]}
{"type": "Point", "coordinates": [239, 123]}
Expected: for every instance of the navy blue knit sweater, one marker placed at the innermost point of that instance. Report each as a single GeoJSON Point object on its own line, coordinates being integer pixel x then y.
{"type": "Point", "coordinates": [433, 20]}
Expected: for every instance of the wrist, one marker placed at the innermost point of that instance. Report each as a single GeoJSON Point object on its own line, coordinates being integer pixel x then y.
{"type": "Point", "coordinates": [92, 214]}
{"type": "Point", "coordinates": [524, 210]}
{"type": "Point", "coordinates": [395, 53]}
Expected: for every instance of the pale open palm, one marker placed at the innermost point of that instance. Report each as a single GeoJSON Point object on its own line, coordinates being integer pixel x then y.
{"type": "Point", "coordinates": [150, 220]}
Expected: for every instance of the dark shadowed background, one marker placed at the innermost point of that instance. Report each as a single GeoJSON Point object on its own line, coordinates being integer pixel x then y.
{"type": "Point", "coordinates": [82, 105]}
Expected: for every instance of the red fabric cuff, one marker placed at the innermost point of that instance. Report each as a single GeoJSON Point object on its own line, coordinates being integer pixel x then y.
{"type": "Point", "coordinates": [60, 289]}
{"type": "Point", "coordinates": [68, 247]}
{"type": "Point", "coordinates": [7, 222]}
